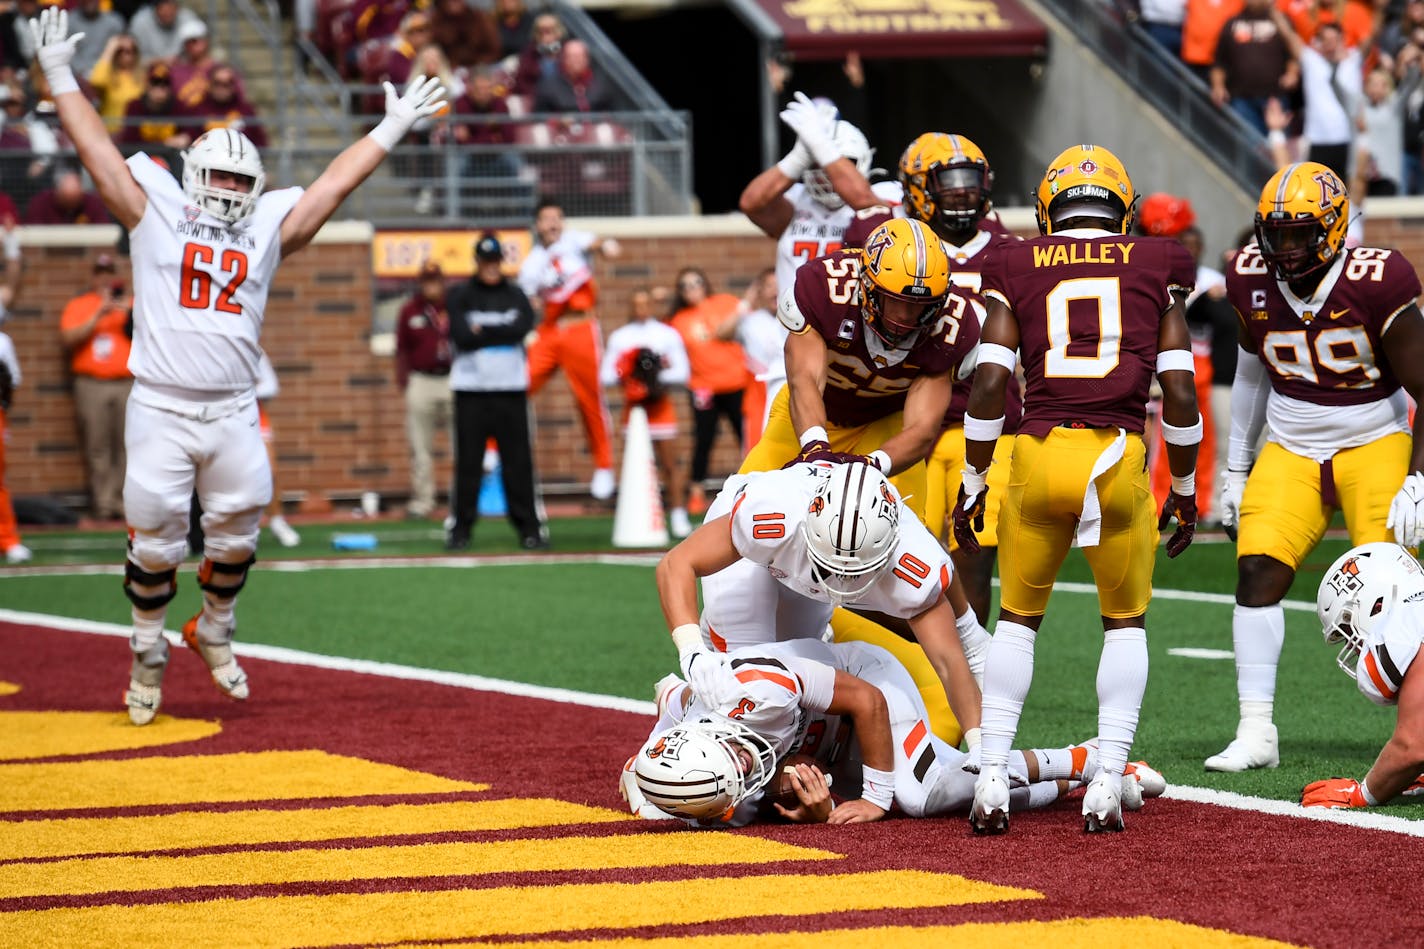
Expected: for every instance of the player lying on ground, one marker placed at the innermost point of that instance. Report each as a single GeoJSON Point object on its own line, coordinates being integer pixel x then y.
{"type": "Point", "coordinates": [1372, 600]}
{"type": "Point", "coordinates": [717, 766]}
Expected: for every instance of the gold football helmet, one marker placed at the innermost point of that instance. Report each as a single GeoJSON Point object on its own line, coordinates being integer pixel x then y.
{"type": "Point", "coordinates": [948, 184]}
{"type": "Point", "coordinates": [1301, 219]}
{"type": "Point", "coordinates": [1086, 181]}
{"type": "Point", "coordinates": [904, 280]}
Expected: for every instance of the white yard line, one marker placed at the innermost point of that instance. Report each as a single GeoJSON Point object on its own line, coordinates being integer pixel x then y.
{"type": "Point", "coordinates": [1350, 818]}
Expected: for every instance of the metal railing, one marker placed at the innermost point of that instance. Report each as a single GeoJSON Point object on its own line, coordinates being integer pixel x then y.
{"type": "Point", "coordinates": [1170, 86]}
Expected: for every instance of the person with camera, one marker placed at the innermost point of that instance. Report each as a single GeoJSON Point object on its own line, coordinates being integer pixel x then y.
{"type": "Point", "coordinates": [95, 329]}
{"type": "Point", "coordinates": [644, 357]}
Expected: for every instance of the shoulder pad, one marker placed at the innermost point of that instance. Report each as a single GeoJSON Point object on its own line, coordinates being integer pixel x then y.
{"type": "Point", "coordinates": [789, 312]}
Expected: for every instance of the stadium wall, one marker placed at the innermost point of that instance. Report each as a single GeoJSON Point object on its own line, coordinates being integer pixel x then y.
{"type": "Point", "coordinates": [339, 420]}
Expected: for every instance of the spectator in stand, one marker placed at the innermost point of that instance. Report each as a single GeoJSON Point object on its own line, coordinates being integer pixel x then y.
{"type": "Point", "coordinates": [1355, 18]}
{"type": "Point", "coordinates": [1409, 67]}
{"type": "Point", "coordinates": [540, 57]}
{"type": "Point", "coordinates": [719, 370]}
{"type": "Point", "coordinates": [94, 329]}
{"type": "Point", "coordinates": [28, 137]}
{"type": "Point", "coordinates": [224, 106]}
{"type": "Point", "coordinates": [1201, 28]}
{"type": "Point", "coordinates": [117, 79]}
{"type": "Point", "coordinates": [10, 544]}
{"type": "Point", "coordinates": [1162, 19]}
{"type": "Point", "coordinates": [574, 86]}
{"type": "Point", "coordinates": [150, 121]}
{"type": "Point", "coordinates": [559, 273]}
{"type": "Point", "coordinates": [192, 67]}
{"type": "Point", "coordinates": [414, 35]}
{"type": "Point", "coordinates": [515, 25]}
{"type": "Point", "coordinates": [1254, 63]}
{"type": "Point", "coordinates": [466, 34]}
{"type": "Point", "coordinates": [490, 316]}
{"type": "Point", "coordinates": [644, 358]}
{"type": "Point", "coordinates": [66, 202]}
{"type": "Point", "coordinates": [99, 28]}
{"type": "Point", "coordinates": [1331, 79]}
{"type": "Point", "coordinates": [376, 19]}
{"type": "Point", "coordinates": [157, 29]}
{"type": "Point", "coordinates": [1393, 37]}
{"type": "Point", "coordinates": [423, 374]}
{"type": "Point", "coordinates": [1380, 158]}
{"type": "Point", "coordinates": [482, 100]}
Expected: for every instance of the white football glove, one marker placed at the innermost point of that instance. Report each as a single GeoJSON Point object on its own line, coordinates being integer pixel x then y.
{"type": "Point", "coordinates": [54, 48]}
{"type": "Point", "coordinates": [1406, 512]}
{"type": "Point", "coordinates": [422, 98]}
{"type": "Point", "coordinates": [973, 762]}
{"type": "Point", "coordinates": [1233, 486]}
{"type": "Point", "coordinates": [814, 126]}
{"type": "Point", "coordinates": [797, 162]}
{"type": "Point", "coordinates": [711, 680]}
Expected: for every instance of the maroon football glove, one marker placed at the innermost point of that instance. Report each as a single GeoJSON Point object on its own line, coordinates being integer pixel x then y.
{"type": "Point", "coordinates": [968, 518]}
{"type": "Point", "coordinates": [814, 451]}
{"type": "Point", "coordinates": [1184, 509]}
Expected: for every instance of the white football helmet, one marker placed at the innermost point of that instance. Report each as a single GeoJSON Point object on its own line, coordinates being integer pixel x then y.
{"type": "Point", "coordinates": [851, 529]}
{"type": "Point", "coordinates": [1362, 585]}
{"type": "Point", "coordinates": [702, 770]}
{"type": "Point", "coordinates": [223, 150]}
{"type": "Point", "coordinates": [853, 145]}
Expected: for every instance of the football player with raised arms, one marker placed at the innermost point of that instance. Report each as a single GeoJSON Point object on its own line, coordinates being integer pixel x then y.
{"type": "Point", "coordinates": [805, 201]}
{"type": "Point", "coordinates": [834, 535]}
{"type": "Point", "coordinates": [1094, 313]}
{"type": "Point", "coordinates": [1372, 600]}
{"type": "Point", "coordinates": [1331, 340]}
{"type": "Point", "coordinates": [711, 765]}
{"type": "Point", "coordinates": [204, 254]}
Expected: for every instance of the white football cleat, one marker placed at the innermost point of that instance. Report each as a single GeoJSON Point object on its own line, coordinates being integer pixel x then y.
{"type": "Point", "coordinates": [144, 694]}
{"type": "Point", "coordinates": [1102, 804]}
{"type": "Point", "coordinates": [989, 814]}
{"type": "Point", "coordinates": [678, 524]}
{"type": "Point", "coordinates": [603, 484]}
{"type": "Point", "coordinates": [1256, 745]}
{"type": "Point", "coordinates": [227, 674]}
{"type": "Point", "coordinates": [284, 532]}
{"type": "Point", "coordinates": [19, 554]}
{"type": "Point", "coordinates": [1141, 781]}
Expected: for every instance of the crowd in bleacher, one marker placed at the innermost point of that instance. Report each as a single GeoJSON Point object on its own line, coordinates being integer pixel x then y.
{"type": "Point", "coordinates": [1336, 81]}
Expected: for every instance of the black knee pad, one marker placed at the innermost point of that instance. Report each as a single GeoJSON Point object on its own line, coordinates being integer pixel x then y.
{"type": "Point", "coordinates": [133, 573]}
{"type": "Point", "coordinates": [207, 568]}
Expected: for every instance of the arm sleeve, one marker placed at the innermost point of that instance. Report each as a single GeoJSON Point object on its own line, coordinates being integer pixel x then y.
{"type": "Point", "coordinates": [460, 333]}
{"type": "Point", "coordinates": [1249, 392]}
{"type": "Point", "coordinates": [818, 682]}
{"type": "Point", "coordinates": [608, 369]}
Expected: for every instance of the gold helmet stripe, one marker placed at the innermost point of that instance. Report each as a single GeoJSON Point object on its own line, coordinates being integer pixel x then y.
{"type": "Point", "coordinates": [1284, 187]}
{"type": "Point", "coordinates": [922, 255]}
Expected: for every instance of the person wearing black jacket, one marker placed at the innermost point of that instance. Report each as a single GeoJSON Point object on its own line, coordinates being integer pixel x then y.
{"type": "Point", "coordinates": [489, 318]}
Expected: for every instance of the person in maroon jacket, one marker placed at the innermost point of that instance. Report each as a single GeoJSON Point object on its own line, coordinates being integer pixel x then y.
{"type": "Point", "coordinates": [1094, 313]}
{"type": "Point", "coordinates": [423, 373]}
{"type": "Point", "coordinates": [541, 57]}
{"type": "Point", "coordinates": [66, 202]}
{"type": "Point", "coordinates": [224, 106]}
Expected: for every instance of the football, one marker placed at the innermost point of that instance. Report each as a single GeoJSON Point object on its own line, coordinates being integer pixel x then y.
{"type": "Point", "coordinates": [781, 789]}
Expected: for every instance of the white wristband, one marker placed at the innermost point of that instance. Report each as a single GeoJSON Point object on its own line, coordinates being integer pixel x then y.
{"type": "Point", "coordinates": [1185, 486]}
{"type": "Point", "coordinates": [973, 479]}
{"type": "Point", "coordinates": [389, 133]}
{"type": "Point", "coordinates": [61, 80]}
{"type": "Point", "coordinates": [880, 460]}
{"type": "Point", "coordinates": [687, 638]}
{"type": "Point", "coordinates": [1276, 138]}
{"type": "Point", "coordinates": [1169, 359]}
{"type": "Point", "coordinates": [998, 355]}
{"type": "Point", "coordinates": [1185, 435]}
{"type": "Point", "coordinates": [814, 434]}
{"type": "Point", "coordinates": [983, 430]}
{"type": "Point", "coordinates": [877, 787]}
{"type": "Point", "coordinates": [971, 739]}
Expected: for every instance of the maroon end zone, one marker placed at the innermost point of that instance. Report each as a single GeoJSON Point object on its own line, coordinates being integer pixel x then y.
{"type": "Point", "coordinates": [1300, 881]}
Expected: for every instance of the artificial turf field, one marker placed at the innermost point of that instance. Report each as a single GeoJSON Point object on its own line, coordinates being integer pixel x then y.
{"type": "Point", "coordinates": [450, 814]}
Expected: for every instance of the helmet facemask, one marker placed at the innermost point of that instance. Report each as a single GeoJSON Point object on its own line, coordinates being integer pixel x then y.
{"type": "Point", "coordinates": [223, 150]}
{"type": "Point", "coordinates": [853, 146]}
{"type": "Point", "coordinates": [1295, 248]}
{"type": "Point", "coordinates": [1364, 584]}
{"type": "Point", "coordinates": [893, 329]}
{"type": "Point", "coordinates": [960, 198]}
{"type": "Point", "coordinates": [702, 770]}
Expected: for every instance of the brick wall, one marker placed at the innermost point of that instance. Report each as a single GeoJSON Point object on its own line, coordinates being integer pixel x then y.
{"type": "Point", "coordinates": [339, 420]}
